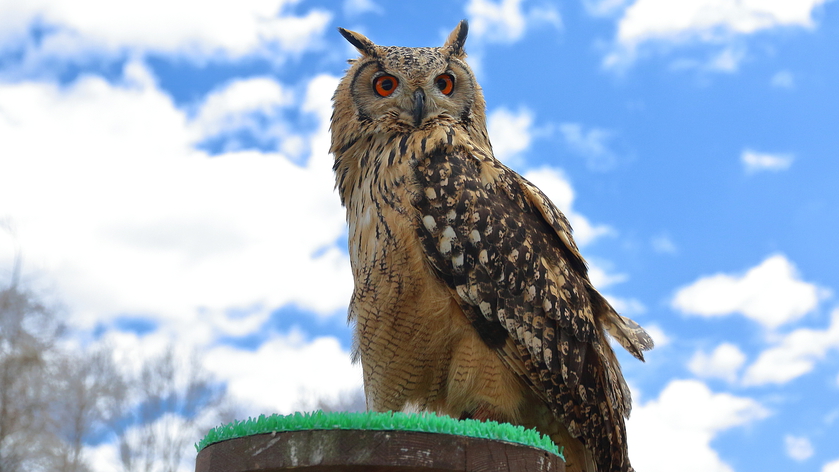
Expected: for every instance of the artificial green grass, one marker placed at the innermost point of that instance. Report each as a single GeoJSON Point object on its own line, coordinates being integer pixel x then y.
{"type": "Point", "coordinates": [390, 421]}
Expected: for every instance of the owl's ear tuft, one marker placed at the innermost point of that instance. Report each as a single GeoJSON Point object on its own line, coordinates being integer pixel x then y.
{"type": "Point", "coordinates": [457, 38]}
{"type": "Point", "coordinates": [364, 45]}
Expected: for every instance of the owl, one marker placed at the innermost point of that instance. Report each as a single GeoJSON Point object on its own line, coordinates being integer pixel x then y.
{"type": "Point", "coordinates": [470, 296]}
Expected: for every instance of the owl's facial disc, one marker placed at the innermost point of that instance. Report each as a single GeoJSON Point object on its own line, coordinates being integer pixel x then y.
{"type": "Point", "coordinates": [412, 88]}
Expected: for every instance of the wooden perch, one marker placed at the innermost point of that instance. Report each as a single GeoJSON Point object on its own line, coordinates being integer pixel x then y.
{"type": "Point", "coordinates": [372, 451]}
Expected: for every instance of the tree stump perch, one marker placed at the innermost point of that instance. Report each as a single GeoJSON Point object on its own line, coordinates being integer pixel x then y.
{"type": "Point", "coordinates": [373, 451]}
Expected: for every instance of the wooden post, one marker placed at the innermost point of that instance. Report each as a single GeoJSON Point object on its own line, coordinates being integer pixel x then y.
{"type": "Point", "coordinates": [372, 451]}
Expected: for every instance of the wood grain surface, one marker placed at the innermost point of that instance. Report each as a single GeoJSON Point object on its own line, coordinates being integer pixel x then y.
{"type": "Point", "coordinates": [373, 451]}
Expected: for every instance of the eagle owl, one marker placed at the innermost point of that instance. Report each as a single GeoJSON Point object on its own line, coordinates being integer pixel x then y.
{"type": "Point", "coordinates": [471, 298]}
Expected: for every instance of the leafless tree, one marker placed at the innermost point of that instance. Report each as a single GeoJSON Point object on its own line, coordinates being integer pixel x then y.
{"type": "Point", "coordinates": [28, 335]}
{"type": "Point", "coordinates": [349, 400]}
{"type": "Point", "coordinates": [57, 397]}
{"type": "Point", "coordinates": [177, 402]}
{"type": "Point", "coordinates": [89, 387]}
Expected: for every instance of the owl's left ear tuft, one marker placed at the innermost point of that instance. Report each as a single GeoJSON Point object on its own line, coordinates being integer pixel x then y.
{"type": "Point", "coordinates": [457, 38]}
{"type": "Point", "coordinates": [364, 45]}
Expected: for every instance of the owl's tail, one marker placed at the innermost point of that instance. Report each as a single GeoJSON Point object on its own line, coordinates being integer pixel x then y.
{"type": "Point", "coordinates": [578, 458]}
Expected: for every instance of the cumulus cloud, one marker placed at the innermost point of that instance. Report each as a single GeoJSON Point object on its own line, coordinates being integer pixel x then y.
{"type": "Point", "coordinates": [248, 113]}
{"type": "Point", "coordinates": [724, 362]}
{"type": "Point", "coordinates": [794, 355]}
{"type": "Point", "coordinates": [663, 244]}
{"type": "Point", "coordinates": [284, 370]}
{"type": "Point", "coordinates": [678, 427]}
{"type": "Point", "coordinates": [660, 338]}
{"type": "Point", "coordinates": [110, 197]}
{"type": "Point", "coordinates": [727, 60]}
{"type": "Point", "coordinates": [601, 275]}
{"type": "Point", "coordinates": [557, 187]}
{"type": "Point", "coordinates": [798, 448]}
{"type": "Point", "coordinates": [717, 22]}
{"type": "Point", "coordinates": [105, 457]}
{"type": "Point", "coordinates": [754, 161]}
{"type": "Point", "coordinates": [506, 21]}
{"type": "Point", "coordinates": [234, 105]}
{"type": "Point", "coordinates": [832, 466]}
{"type": "Point", "coordinates": [511, 133]}
{"type": "Point", "coordinates": [783, 79]}
{"type": "Point", "coordinates": [357, 7]}
{"type": "Point", "coordinates": [772, 293]}
{"type": "Point", "coordinates": [604, 7]}
{"type": "Point", "coordinates": [593, 144]}
{"type": "Point", "coordinates": [190, 28]}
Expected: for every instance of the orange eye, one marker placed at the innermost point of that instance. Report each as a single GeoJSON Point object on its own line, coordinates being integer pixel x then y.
{"type": "Point", "coordinates": [384, 85]}
{"type": "Point", "coordinates": [445, 82]}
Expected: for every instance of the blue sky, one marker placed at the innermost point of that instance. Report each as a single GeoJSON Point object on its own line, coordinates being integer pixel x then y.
{"type": "Point", "coordinates": [164, 169]}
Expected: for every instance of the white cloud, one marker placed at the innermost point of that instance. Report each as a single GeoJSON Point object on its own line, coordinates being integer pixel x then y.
{"type": "Point", "coordinates": [783, 79]}
{"type": "Point", "coordinates": [103, 457]}
{"type": "Point", "coordinates": [284, 370]}
{"type": "Point", "coordinates": [506, 21]}
{"type": "Point", "coordinates": [794, 355]}
{"type": "Point", "coordinates": [604, 7]}
{"type": "Point", "coordinates": [592, 144]}
{"type": "Point", "coordinates": [233, 106]}
{"type": "Point", "coordinates": [663, 244]}
{"type": "Point", "coordinates": [626, 306]}
{"type": "Point", "coordinates": [669, 23]}
{"type": "Point", "coordinates": [660, 338]}
{"type": "Point", "coordinates": [728, 59]}
{"type": "Point", "coordinates": [510, 133]}
{"type": "Point", "coordinates": [798, 448]}
{"type": "Point", "coordinates": [357, 7]}
{"type": "Point", "coordinates": [832, 466]}
{"type": "Point", "coordinates": [556, 186]}
{"type": "Point", "coordinates": [601, 276]}
{"type": "Point", "coordinates": [724, 362]}
{"type": "Point", "coordinates": [187, 28]}
{"type": "Point", "coordinates": [661, 19]}
{"type": "Point", "coordinates": [771, 294]}
{"type": "Point", "coordinates": [127, 217]}
{"type": "Point", "coordinates": [678, 427]}
{"type": "Point", "coordinates": [754, 161]}
{"type": "Point", "coordinates": [131, 353]}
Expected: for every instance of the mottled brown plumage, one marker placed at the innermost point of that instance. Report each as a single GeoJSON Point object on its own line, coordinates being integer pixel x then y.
{"type": "Point", "coordinates": [471, 297]}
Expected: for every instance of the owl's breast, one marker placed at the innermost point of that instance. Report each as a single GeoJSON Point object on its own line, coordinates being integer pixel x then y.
{"type": "Point", "coordinates": [381, 219]}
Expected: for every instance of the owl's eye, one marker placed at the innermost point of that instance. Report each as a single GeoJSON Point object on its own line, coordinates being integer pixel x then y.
{"type": "Point", "coordinates": [445, 82]}
{"type": "Point", "coordinates": [384, 85]}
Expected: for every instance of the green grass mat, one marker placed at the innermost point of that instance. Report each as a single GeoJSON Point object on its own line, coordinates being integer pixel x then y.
{"type": "Point", "coordinates": [424, 422]}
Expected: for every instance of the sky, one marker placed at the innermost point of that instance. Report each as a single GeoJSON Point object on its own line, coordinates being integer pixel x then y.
{"type": "Point", "coordinates": [164, 171]}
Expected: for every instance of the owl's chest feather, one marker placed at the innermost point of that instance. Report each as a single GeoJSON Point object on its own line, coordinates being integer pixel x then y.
{"type": "Point", "coordinates": [380, 216]}
{"type": "Point", "coordinates": [383, 194]}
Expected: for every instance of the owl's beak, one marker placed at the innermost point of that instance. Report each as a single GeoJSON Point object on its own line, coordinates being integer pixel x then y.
{"type": "Point", "coordinates": [419, 107]}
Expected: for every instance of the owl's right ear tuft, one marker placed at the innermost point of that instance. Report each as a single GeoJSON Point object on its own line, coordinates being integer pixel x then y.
{"type": "Point", "coordinates": [457, 38]}
{"type": "Point", "coordinates": [364, 45]}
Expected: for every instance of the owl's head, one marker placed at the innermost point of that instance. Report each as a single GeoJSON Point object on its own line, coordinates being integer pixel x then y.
{"type": "Point", "coordinates": [404, 89]}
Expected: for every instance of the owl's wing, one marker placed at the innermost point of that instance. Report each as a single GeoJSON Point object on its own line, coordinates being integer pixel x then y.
{"type": "Point", "coordinates": [507, 255]}
{"type": "Point", "coordinates": [628, 333]}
